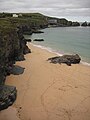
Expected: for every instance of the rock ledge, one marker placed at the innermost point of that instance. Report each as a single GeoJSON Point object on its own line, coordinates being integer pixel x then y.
{"type": "Point", "coordinates": [7, 96]}
{"type": "Point", "coordinates": [67, 59]}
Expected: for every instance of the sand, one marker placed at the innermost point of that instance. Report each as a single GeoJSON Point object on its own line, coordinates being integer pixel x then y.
{"type": "Point", "coordinates": [9, 114]}
{"type": "Point", "coordinates": [49, 91]}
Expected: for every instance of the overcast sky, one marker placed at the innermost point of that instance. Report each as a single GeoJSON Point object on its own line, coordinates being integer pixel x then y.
{"type": "Point", "coordinates": [77, 10]}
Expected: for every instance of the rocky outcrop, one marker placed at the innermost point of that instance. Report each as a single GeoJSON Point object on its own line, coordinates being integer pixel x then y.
{"type": "Point", "coordinates": [75, 24]}
{"type": "Point", "coordinates": [28, 40]}
{"type": "Point", "coordinates": [39, 40]}
{"type": "Point", "coordinates": [67, 59]}
{"type": "Point", "coordinates": [7, 96]}
{"type": "Point", "coordinates": [84, 24]}
{"type": "Point", "coordinates": [65, 23]}
{"type": "Point", "coordinates": [26, 29]}
{"type": "Point", "coordinates": [37, 31]}
{"type": "Point", "coordinates": [12, 48]}
{"type": "Point", "coordinates": [88, 24]}
{"type": "Point", "coordinates": [26, 50]}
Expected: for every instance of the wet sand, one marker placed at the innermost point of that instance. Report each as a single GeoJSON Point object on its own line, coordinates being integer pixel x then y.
{"type": "Point", "coordinates": [49, 91]}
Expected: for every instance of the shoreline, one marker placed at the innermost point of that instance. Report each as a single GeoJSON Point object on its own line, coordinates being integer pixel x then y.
{"type": "Point", "coordinates": [56, 52]}
{"type": "Point", "coordinates": [49, 91]}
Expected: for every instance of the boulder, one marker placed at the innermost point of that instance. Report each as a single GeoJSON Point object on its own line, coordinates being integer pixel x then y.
{"type": "Point", "coordinates": [7, 96]}
{"type": "Point", "coordinates": [67, 59]}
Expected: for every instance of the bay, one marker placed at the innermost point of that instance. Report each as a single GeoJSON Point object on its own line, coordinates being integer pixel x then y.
{"type": "Point", "coordinates": [66, 40]}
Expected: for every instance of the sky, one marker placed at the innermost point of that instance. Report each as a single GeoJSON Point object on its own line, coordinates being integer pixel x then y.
{"type": "Point", "coordinates": [75, 10]}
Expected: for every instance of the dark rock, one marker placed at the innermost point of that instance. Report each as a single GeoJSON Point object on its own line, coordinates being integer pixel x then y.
{"type": "Point", "coordinates": [12, 48]}
{"type": "Point", "coordinates": [69, 23]}
{"type": "Point", "coordinates": [38, 40]}
{"type": "Point", "coordinates": [88, 24]}
{"type": "Point", "coordinates": [26, 50]}
{"type": "Point", "coordinates": [75, 24]}
{"type": "Point", "coordinates": [26, 29]}
{"type": "Point", "coordinates": [2, 74]}
{"type": "Point", "coordinates": [84, 24]}
{"type": "Point", "coordinates": [19, 57]}
{"type": "Point", "coordinates": [27, 33]}
{"type": "Point", "coordinates": [7, 96]}
{"type": "Point", "coordinates": [68, 59]}
{"type": "Point", "coordinates": [37, 31]}
{"type": "Point", "coordinates": [17, 70]}
{"type": "Point", "coordinates": [28, 40]}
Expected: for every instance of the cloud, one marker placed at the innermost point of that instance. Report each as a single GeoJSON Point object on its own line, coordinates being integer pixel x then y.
{"type": "Point", "coordinates": [48, 7]}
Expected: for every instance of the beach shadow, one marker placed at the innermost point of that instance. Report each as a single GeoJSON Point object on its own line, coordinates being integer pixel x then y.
{"type": "Point", "coordinates": [17, 70]}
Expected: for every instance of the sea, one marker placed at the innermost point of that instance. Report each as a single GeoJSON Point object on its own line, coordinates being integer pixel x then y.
{"type": "Point", "coordinates": [65, 40]}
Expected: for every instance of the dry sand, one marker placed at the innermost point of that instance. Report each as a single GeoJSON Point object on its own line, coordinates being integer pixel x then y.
{"type": "Point", "coordinates": [49, 91]}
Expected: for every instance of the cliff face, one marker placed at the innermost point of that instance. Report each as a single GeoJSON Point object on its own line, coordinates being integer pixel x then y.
{"type": "Point", "coordinates": [12, 48]}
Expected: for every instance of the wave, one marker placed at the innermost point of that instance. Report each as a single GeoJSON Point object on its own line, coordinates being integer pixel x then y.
{"type": "Point", "coordinates": [56, 52]}
{"type": "Point", "coordinates": [85, 63]}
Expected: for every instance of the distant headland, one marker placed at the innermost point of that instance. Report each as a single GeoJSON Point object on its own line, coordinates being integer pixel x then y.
{"type": "Point", "coordinates": [40, 20]}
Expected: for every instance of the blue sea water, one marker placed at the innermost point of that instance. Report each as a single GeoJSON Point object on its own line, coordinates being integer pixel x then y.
{"type": "Point", "coordinates": [66, 40]}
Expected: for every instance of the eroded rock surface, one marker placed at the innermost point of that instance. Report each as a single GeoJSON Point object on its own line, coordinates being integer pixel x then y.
{"type": "Point", "coordinates": [67, 59]}
{"type": "Point", "coordinates": [12, 48]}
{"type": "Point", "coordinates": [7, 96]}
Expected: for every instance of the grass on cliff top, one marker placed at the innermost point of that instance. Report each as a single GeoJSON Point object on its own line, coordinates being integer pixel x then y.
{"type": "Point", "coordinates": [33, 15]}
{"type": "Point", "coordinates": [6, 23]}
{"type": "Point", "coordinates": [14, 22]}
{"type": "Point", "coordinates": [26, 19]}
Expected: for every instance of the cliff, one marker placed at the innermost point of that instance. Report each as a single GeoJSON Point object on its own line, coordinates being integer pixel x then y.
{"type": "Point", "coordinates": [12, 48]}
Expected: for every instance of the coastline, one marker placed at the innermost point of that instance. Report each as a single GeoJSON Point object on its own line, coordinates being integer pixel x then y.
{"type": "Point", "coordinates": [57, 53]}
{"type": "Point", "coordinates": [49, 91]}
{"type": "Point", "coordinates": [63, 41]}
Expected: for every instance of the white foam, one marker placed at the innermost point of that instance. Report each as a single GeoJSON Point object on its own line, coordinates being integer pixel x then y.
{"type": "Point", "coordinates": [48, 49]}
{"type": "Point", "coordinates": [85, 63]}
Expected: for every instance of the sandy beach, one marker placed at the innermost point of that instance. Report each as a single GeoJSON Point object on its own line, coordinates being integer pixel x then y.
{"type": "Point", "coordinates": [49, 91]}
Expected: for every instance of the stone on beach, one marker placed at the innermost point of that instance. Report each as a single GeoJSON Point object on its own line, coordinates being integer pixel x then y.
{"type": "Point", "coordinates": [7, 96]}
{"type": "Point", "coordinates": [68, 59]}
